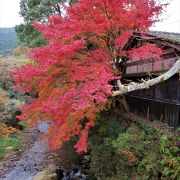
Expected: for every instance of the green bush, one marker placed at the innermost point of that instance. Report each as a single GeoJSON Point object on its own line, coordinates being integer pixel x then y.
{"type": "Point", "coordinates": [139, 151]}
{"type": "Point", "coordinates": [103, 157]}
{"type": "Point", "coordinates": [14, 99]}
{"type": "Point", "coordinates": [130, 152]}
{"type": "Point", "coordinates": [170, 157]}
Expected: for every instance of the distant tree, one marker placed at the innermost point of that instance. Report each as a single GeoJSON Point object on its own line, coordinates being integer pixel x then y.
{"type": "Point", "coordinates": [29, 36]}
{"type": "Point", "coordinates": [39, 10]}
{"type": "Point", "coordinates": [36, 10]}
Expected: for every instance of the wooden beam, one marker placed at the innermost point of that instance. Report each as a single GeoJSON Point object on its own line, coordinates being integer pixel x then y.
{"type": "Point", "coordinates": [124, 89]}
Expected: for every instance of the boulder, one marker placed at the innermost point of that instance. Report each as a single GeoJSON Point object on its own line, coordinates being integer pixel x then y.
{"type": "Point", "coordinates": [49, 174]}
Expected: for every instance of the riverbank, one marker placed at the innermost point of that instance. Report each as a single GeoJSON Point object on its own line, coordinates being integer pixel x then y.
{"type": "Point", "coordinates": [34, 155]}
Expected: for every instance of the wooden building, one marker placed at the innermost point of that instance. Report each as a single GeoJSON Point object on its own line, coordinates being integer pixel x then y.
{"type": "Point", "coordinates": [161, 102]}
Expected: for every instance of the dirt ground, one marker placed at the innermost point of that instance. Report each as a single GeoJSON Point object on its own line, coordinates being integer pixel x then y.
{"type": "Point", "coordinates": [65, 158]}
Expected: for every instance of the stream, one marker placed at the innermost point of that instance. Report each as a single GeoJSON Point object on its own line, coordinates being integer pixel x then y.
{"type": "Point", "coordinates": [33, 159]}
{"type": "Point", "coordinates": [26, 167]}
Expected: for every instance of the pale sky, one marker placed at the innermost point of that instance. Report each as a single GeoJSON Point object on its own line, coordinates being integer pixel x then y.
{"type": "Point", "coordinates": [9, 13]}
{"type": "Point", "coordinates": [9, 16]}
{"type": "Point", "coordinates": [171, 18]}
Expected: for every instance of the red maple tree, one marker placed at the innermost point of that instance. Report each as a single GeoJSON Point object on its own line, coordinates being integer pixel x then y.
{"type": "Point", "coordinates": [73, 74]}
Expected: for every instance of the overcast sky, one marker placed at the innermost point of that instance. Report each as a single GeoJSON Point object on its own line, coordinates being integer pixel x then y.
{"type": "Point", "coordinates": [9, 16]}
{"type": "Point", "coordinates": [171, 18]}
{"type": "Point", "coordinates": [9, 13]}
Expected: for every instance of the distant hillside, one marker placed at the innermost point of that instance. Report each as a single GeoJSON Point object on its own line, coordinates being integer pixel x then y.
{"type": "Point", "coordinates": [8, 40]}
{"type": "Point", "coordinates": [166, 34]}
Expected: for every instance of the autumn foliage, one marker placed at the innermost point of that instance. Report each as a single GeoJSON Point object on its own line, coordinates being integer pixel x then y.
{"type": "Point", "coordinates": [73, 75]}
{"type": "Point", "coordinates": [6, 131]}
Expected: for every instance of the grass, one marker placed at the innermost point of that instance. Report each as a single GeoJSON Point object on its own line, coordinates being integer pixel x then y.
{"type": "Point", "coordinates": [14, 142]}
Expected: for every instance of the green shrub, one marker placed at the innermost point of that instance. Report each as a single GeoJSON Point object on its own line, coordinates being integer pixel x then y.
{"type": "Point", "coordinates": [138, 147]}
{"type": "Point", "coordinates": [11, 101]}
{"type": "Point", "coordinates": [132, 152]}
{"type": "Point", "coordinates": [104, 160]}
{"type": "Point", "coordinates": [170, 157]}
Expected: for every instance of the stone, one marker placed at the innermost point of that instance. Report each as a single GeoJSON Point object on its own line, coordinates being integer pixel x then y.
{"type": "Point", "coordinates": [87, 157]}
{"type": "Point", "coordinates": [9, 149]}
{"type": "Point", "coordinates": [49, 174]}
{"type": "Point", "coordinates": [1, 166]}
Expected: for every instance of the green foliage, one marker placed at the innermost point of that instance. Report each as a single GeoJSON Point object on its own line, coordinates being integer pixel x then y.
{"type": "Point", "coordinates": [10, 100]}
{"type": "Point", "coordinates": [35, 10]}
{"type": "Point", "coordinates": [103, 163]}
{"type": "Point", "coordinates": [6, 84]}
{"type": "Point", "coordinates": [138, 147]}
{"type": "Point", "coordinates": [104, 160]}
{"type": "Point", "coordinates": [136, 151]}
{"type": "Point", "coordinates": [170, 159]}
{"type": "Point", "coordinates": [17, 54]}
{"type": "Point", "coordinates": [39, 10]}
{"type": "Point", "coordinates": [28, 36]}
{"type": "Point", "coordinates": [3, 102]}
{"type": "Point", "coordinates": [14, 142]}
{"type": "Point", "coordinates": [106, 126]}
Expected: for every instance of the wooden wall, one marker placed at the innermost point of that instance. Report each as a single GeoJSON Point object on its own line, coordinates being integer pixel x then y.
{"type": "Point", "coordinates": [169, 57]}
{"type": "Point", "coordinates": [161, 102]}
{"type": "Point", "coordinates": [155, 110]}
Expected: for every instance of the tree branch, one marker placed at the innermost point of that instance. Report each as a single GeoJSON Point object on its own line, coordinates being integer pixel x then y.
{"type": "Point", "coordinates": [123, 89]}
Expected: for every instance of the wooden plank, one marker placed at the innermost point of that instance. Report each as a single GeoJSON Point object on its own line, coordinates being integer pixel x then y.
{"type": "Point", "coordinates": [146, 67]}
{"type": "Point", "coordinates": [178, 92]}
{"type": "Point", "coordinates": [140, 68]}
{"type": "Point", "coordinates": [131, 69]}
{"type": "Point", "coordinates": [139, 43]}
{"type": "Point", "coordinates": [157, 66]}
{"type": "Point", "coordinates": [169, 56]}
{"type": "Point", "coordinates": [168, 51]}
{"type": "Point", "coordinates": [136, 59]}
{"type": "Point", "coordinates": [168, 63]}
{"type": "Point", "coordinates": [162, 111]}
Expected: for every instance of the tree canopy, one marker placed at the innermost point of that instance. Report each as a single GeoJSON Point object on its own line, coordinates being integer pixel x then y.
{"type": "Point", "coordinates": [38, 10]}
{"type": "Point", "coordinates": [73, 74]}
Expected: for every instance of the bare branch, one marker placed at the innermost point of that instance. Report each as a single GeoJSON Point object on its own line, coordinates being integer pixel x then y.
{"type": "Point", "coordinates": [123, 89]}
